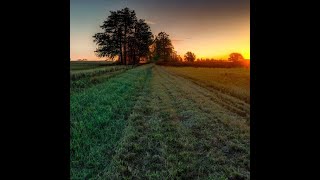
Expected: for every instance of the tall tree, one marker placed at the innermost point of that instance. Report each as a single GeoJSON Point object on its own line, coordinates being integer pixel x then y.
{"type": "Point", "coordinates": [128, 20]}
{"type": "Point", "coordinates": [124, 36]}
{"type": "Point", "coordinates": [164, 47]}
{"type": "Point", "coordinates": [141, 41]}
{"type": "Point", "coordinates": [109, 44]}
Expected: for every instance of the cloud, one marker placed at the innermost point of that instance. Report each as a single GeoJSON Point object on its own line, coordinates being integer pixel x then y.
{"type": "Point", "coordinates": [150, 22]}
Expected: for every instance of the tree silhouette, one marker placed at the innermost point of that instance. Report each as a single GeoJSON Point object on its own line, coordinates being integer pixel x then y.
{"type": "Point", "coordinates": [235, 57]}
{"type": "Point", "coordinates": [189, 56]}
{"type": "Point", "coordinates": [124, 36]}
{"type": "Point", "coordinates": [143, 38]}
{"type": "Point", "coordinates": [109, 42]}
{"type": "Point", "coordinates": [163, 46]}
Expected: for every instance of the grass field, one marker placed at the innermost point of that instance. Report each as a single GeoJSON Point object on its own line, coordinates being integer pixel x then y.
{"type": "Point", "coordinates": [82, 79]}
{"type": "Point", "coordinates": [82, 65]}
{"type": "Point", "coordinates": [154, 122]}
{"type": "Point", "coordinates": [234, 81]}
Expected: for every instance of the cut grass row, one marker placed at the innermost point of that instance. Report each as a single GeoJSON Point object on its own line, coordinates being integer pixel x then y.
{"type": "Point", "coordinates": [81, 80]}
{"type": "Point", "coordinates": [83, 65]}
{"type": "Point", "coordinates": [76, 75]}
{"type": "Point", "coordinates": [98, 118]}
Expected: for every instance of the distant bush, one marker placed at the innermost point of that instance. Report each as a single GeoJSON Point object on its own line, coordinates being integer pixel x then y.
{"type": "Point", "coordinates": [235, 57]}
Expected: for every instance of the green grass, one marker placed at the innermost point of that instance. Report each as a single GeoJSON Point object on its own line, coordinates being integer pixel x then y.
{"type": "Point", "coordinates": [234, 81]}
{"type": "Point", "coordinates": [148, 123]}
{"type": "Point", "coordinates": [82, 79]}
{"type": "Point", "coordinates": [95, 71]}
{"type": "Point", "coordinates": [98, 118]}
{"type": "Point", "coordinates": [83, 65]}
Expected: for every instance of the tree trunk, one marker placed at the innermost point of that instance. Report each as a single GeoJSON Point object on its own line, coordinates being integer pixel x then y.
{"type": "Point", "coordinates": [121, 57]}
{"type": "Point", "coordinates": [125, 41]}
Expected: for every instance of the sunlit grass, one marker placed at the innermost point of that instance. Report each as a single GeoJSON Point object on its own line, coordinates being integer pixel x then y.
{"type": "Point", "coordinates": [235, 81]}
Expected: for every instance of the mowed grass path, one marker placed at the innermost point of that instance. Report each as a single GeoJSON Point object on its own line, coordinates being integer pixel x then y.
{"type": "Point", "coordinates": [170, 128]}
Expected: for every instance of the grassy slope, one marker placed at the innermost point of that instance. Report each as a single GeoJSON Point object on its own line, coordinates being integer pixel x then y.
{"type": "Point", "coordinates": [235, 81]}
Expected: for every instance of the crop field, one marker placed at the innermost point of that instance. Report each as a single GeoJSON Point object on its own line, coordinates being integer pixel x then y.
{"type": "Point", "coordinates": [155, 122]}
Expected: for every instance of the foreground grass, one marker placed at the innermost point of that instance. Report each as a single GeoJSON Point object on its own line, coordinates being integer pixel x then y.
{"type": "Point", "coordinates": [147, 123]}
{"type": "Point", "coordinates": [178, 130]}
{"type": "Point", "coordinates": [98, 118]}
{"type": "Point", "coordinates": [234, 81]}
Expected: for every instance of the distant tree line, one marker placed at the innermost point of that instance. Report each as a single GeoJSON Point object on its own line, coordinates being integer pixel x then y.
{"type": "Point", "coordinates": [234, 60]}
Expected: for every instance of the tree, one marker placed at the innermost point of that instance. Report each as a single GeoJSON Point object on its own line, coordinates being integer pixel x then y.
{"type": "Point", "coordinates": [235, 57]}
{"type": "Point", "coordinates": [128, 20]}
{"type": "Point", "coordinates": [124, 37]}
{"type": "Point", "coordinates": [189, 56]}
{"type": "Point", "coordinates": [141, 41]}
{"type": "Point", "coordinates": [109, 42]}
{"type": "Point", "coordinates": [163, 46]}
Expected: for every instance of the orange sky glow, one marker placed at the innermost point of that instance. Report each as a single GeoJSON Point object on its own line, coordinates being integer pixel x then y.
{"type": "Point", "coordinates": [207, 32]}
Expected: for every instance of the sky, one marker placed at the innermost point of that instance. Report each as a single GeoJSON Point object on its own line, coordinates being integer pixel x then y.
{"type": "Point", "coordinates": [208, 28]}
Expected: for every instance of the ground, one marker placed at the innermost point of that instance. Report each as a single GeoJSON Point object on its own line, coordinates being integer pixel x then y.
{"type": "Point", "coordinates": [151, 122]}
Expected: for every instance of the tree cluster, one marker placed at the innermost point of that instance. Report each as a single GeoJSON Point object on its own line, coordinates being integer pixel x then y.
{"type": "Point", "coordinates": [124, 37]}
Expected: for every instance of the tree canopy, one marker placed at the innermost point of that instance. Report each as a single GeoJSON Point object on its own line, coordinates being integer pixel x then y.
{"type": "Point", "coordinates": [123, 36]}
{"type": "Point", "coordinates": [163, 46]}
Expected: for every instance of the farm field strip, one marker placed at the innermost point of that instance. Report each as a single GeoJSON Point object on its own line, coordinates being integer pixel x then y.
{"type": "Point", "coordinates": [83, 84]}
{"type": "Point", "coordinates": [78, 65]}
{"type": "Point", "coordinates": [174, 131]}
{"type": "Point", "coordinates": [232, 81]}
{"type": "Point", "coordinates": [98, 118]}
{"type": "Point", "coordinates": [218, 132]}
{"type": "Point", "coordinates": [227, 101]}
{"type": "Point", "coordinates": [81, 80]}
{"type": "Point", "coordinates": [75, 75]}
